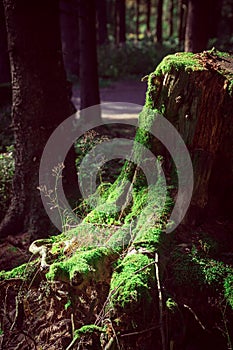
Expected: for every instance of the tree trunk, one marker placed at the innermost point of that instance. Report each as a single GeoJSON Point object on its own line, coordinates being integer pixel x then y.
{"type": "Point", "coordinates": [197, 31]}
{"type": "Point", "coordinates": [102, 22]}
{"type": "Point", "coordinates": [159, 25]}
{"type": "Point", "coordinates": [148, 15]}
{"type": "Point", "coordinates": [171, 10]}
{"type": "Point", "coordinates": [41, 102]}
{"type": "Point", "coordinates": [70, 36]}
{"type": "Point", "coordinates": [89, 84]}
{"type": "Point", "coordinates": [4, 57]}
{"type": "Point", "coordinates": [182, 21]}
{"type": "Point", "coordinates": [120, 22]}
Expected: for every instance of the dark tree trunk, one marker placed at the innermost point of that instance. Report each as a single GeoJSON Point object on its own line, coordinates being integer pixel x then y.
{"type": "Point", "coordinates": [148, 15]}
{"type": "Point", "coordinates": [120, 22]}
{"type": "Point", "coordinates": [89, 84]}
{"type": "Point", "coordinates": [171, 10]}
{"type": "Point", "coordinates": [70, 36]}
{"type": "Point", "coordinates": [102, 22]}
{"type": "Point", "coordinates": [215, 9]}
{"type": "Point", "coordinates": [4, 57]}
{"type": "Point", "coordinates": [198, 25]}
{"type": "Point", "coordinates": [137, 18]}
{"type": "Point", "coordinates": [41, 102]}
{"type": "Point", "coordinates": [159, 26]}
{"type": "Point", "coordinates": [182, 21]}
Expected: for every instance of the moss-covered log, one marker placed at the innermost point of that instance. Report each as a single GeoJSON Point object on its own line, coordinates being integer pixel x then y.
{"type": "Point", "coordinates": [121, 280]}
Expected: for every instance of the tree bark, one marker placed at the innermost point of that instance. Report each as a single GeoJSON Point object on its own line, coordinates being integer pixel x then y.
{"type": "Point", "coordinates": [197, 31]}
{"type": "Point", "coordinates": [89, 84]}
{"type": "Point", "coordinates": [197, 112]}
{"type": "Point", "coordinates": [41, 101]}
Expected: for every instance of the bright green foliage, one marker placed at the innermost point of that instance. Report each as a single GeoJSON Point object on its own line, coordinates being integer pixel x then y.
{"type": "Point", "coordinates": [171, 305]}
{"type": "Point", "coordinates": [180, 61]}
{"type": "Point", "coordinates": [129, 284]}
{"type": "Point", "coordinates": [87, 329]}
{"type": "Point", "coordinates": [81, 262]}
{"type": "Point", "coordinates": [228, 287]}
{"type": "Point", "coordinates": [25, 271]}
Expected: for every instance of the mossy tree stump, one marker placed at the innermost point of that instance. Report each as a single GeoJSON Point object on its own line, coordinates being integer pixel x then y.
{"type": "Point", "coordinates": [133, 286]}
{"type": "Point", "coordinates": [195, 93]}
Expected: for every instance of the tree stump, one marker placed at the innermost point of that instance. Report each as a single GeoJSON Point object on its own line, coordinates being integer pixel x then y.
{"type": "Point", "coordinates": [194, 92]}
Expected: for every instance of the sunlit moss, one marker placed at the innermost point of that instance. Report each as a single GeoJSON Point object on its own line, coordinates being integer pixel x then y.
{"type": "Point", "coordinates": [81, 265]}
{"type": "Point", "coordinates": [132, 280]}
{"type": "Point", "coordinates": [25, 271]}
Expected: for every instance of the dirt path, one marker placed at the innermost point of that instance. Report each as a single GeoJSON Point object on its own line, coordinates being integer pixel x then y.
{"type": "Point", "coordinates": [130, 93]}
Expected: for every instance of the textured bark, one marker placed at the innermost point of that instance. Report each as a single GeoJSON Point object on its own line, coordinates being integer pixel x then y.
{"type": "Point", "coordinates": [41, 102]}
{"type": "Point", "coordinates": [200, 106]}
{"type": "Point", "coordinates": [70, 36]}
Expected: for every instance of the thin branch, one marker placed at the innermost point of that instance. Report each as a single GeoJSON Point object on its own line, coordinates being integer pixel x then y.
{"type": "Point", "coordinates": [140, 332]}
{"type": "Point", "coordinates": [163, 338]}
{"type": "Point", "coordinates": [195, 316]}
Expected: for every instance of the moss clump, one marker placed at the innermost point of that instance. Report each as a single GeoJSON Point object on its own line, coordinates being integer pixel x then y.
{"type": "Point", "coordinates": [81, 265]}
{"type": "Point", "coordinates": [87, 329]}
{"type": "Point", "coordinates": [131, 282]}
{"type": "Point", "coordinates": [25, 271]}
{"type": "Point", "coordinates": [181, 60]}
{"type": "Point", "coordinates": [186, 61]}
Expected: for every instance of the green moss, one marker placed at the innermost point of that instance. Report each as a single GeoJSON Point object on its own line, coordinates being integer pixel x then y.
{"type": "Point", "coordinates": [130, 284]}
{"type": "Point", "coordinates": [87, 329]}
{"type": "Point", "coordinates": [25, 271]}
{"type": "Point", "coordinates": [182, 60]}
{"type": "Point", "coordinates": [228, 287]}
{"type": "Point", "coordinates": [81, 262]}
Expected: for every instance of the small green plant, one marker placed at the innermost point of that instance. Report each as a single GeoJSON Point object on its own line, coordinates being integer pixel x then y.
{"type": "Point", "coordinates": [171, 305]}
